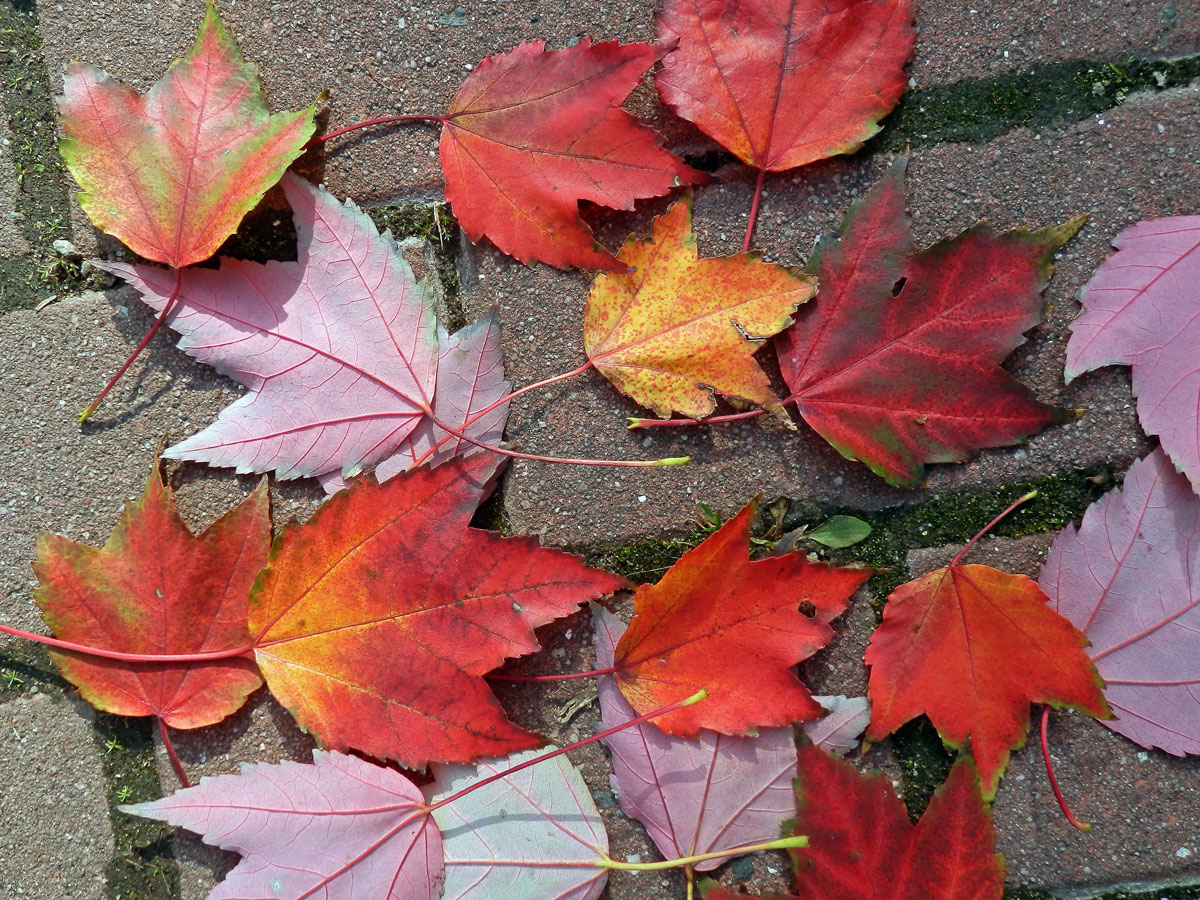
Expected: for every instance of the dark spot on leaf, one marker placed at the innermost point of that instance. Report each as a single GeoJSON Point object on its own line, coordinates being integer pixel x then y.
{"type": "Point", "coordinates": [807, 609]}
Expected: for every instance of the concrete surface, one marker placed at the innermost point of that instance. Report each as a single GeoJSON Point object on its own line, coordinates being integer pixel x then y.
{"type": "Point", "coordinates": [990, 37]}
{"type": "Point", "coordinates": [53, 798]}
{"type": "Point", "coordinates": [1137, 160]}
{"type": "Point", "coordinates": [12, 242]}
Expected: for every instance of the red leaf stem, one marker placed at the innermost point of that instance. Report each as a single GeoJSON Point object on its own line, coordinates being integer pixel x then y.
{"type": "Point", "coordinates": [137, 351]}
{"type": "Point", "coordinates": [988, 527]}
{"type": "Point", "coordinates": [1062, 803]}
{"type": "Point", "coordinates": [670, 707]}
{"type": "Point", "coordinates": [171, 755]}
{"type": "Point", "coordinates": [382, 120]}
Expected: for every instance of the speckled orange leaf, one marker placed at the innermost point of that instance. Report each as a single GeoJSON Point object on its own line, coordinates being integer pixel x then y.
{"type": "Point", "coordinates": [735, 627]}
{"type": "Point", "coordinates": [677, 328]}
{"type": "Point", "coordinates": [377, 618]}
{"type": "Point", "coordinates": [173, 172]}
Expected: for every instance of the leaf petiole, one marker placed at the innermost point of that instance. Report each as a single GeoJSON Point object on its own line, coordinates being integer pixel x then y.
{"type": "Point", "coordinates": [171, 755]}
{"type": "Point", "coordinates": [670, 707]}
{"type": "Point", "coordinates": [461, 434]}
{"type": "Point", "coordinates": [784, 843]}
{"type": "Point", "coordinates": [635, 423]}
{"type": "Point", "coordinates": [758, 189]}
{"type": "Point", "coordinates": [988, 527]}
{"type": "Point", "coordinates": [137, 351]}
{"type": "Point", "coordinates": [128, 657]}
{"type": "Point", "coordinates": [611, 670]}
{"type": "Point", "coordinates": [382, 120]}
{"type": "Point", "coordinates": [1062, 803]}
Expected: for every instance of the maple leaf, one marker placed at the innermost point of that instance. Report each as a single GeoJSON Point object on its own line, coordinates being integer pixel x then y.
{"type": "Point", "coordinates": [1139, 309]}
{"type": "Point", "coordinates": [156, 588]}
{"type": "Point", "coordinates": [173, 172]}
{"type": "Point", "coordinates": [694, 796]}
{"type": "Point", "coordinates": [489, 834]}
{"type": "Point", "coordinates": [838, 730]}
{"type": "Point", "coordinates": [339, 349]}
{"type": "Point", "coordinates": [721, 622]}
{"type": "Point", "coordinates": [678, 328]}
{"type": "Point", "coordinates": [470, 378]}
{"type": "Point", "coordinates": [340, 828]}
{"type": "Point", "coordinates": [1127, 577]}
{"type": "Point", "coordinates": [781, 83]}
{"type": "Point", "coordinates": [897, 363]}
{"type": "Point", "coordinates": [861, 845]}
{"type": "Point", "coordinates": [376, 619]}
{"type": "Point", "coordinates": [533, 131]}
{"type": "Point", "coordinates": [971, 647]}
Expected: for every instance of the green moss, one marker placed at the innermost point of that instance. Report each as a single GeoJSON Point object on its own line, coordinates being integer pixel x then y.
{"type": "Point", "coordinates": [924, 764]}
{"type": "Point", "coordinates": [1162, 893]}
{"type": "Point", "coordinates": [41, 196]}
{"type": "Point", "coordinates": [1044, 95]}
{"type": "Point", "coordinates": [954, 519]}
{"type": "Point", "coordinates": [142, 867]}
{"type": "Point", "coordinates": [428, 221]}
{"type": "Point", "coordinates": [23, 665]}
{"type": "Point", "coordinates": [643, 562]}
{"type": "Point", "coordinates": [434, 223]}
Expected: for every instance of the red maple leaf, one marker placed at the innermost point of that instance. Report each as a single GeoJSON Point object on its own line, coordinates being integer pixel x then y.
{"type": "Point", "coordinates": [781, 83]}
{"type": "Point", "coordinates": [173, 172]}
{"type": "Point", "coordinates": [861, 845]}
{"type": "Point", "coordinates": [721, 622]}
{"type": "Point", "coordinates": [897, 361]}
{"type": "Point", "coordinates": [533, 131]}
{"type": "Point", "coordinates": [377, 619]}
{"type": "Point", "coordinates": [971, 647]}
{"type": "Point", "coordinates": [156, 588]}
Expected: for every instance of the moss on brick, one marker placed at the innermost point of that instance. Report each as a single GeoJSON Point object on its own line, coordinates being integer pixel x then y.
{"type": "Point", "coordinates": [1046, 95]}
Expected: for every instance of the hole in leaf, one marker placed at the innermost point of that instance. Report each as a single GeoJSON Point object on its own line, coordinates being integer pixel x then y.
{"type": "Point", "coordinates": [807, 609]}
{"type": "Point", "coordinates": [898, 287]}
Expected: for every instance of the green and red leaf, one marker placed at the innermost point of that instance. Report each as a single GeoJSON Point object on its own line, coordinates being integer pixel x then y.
{"type": "Point", "coordinates": [971, 647]}
{"type": "Point", "coordinates": [377, 619]}
{"type": "Point", "coordinates": [172, 173]}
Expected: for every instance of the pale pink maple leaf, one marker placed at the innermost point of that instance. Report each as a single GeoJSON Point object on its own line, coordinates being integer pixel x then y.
{"type": "Point", "coordinates": [532, 835]}
{"type": "Point", "coordinates": [470, 378]}
{"type": "Point", "coordinates": [694, 796]}
{"type": "Point", "coordinates": [838, 731]}
{"type": "Point", "coordinates": [339, 828]}
{"type": "Point", "coordinates": [338, 349]}
{"type": "Point", "coordinates": [1129, 579]}
{"type": "Point", "coordinates": [1142, 309]}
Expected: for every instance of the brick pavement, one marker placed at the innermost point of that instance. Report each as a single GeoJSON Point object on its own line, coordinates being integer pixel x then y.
{"type": "Point", "coordinates": [1136, 160]}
